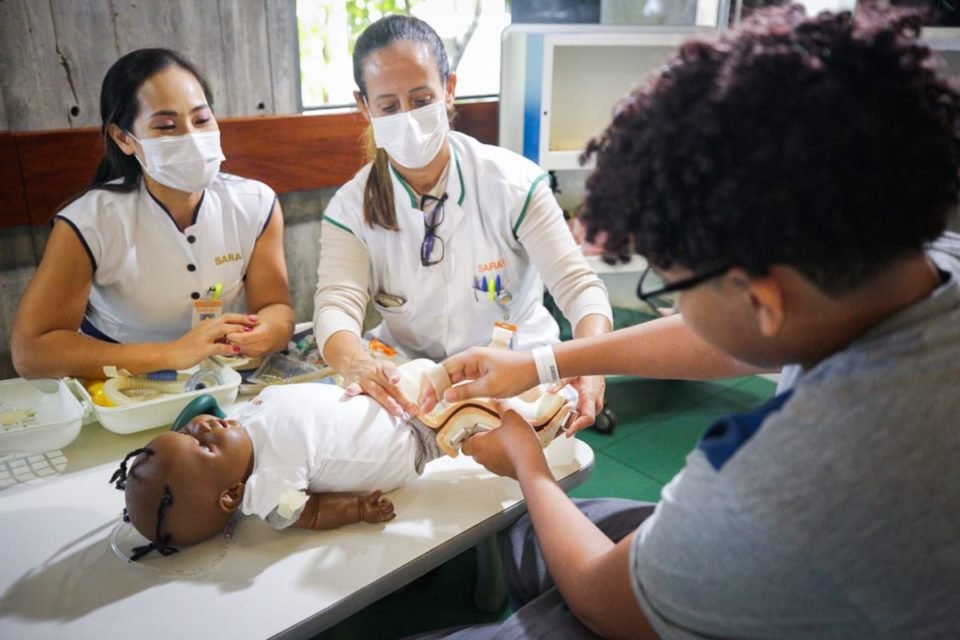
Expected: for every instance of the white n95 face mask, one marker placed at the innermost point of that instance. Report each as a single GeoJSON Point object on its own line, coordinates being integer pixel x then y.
{"type": "Point", "coordinates": [413, 138]}
{"type": "Point", "coordinates": [185, 163]}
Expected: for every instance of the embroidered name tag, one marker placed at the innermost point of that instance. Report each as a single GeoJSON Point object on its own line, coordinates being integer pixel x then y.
{"type": "Point", "coordinates": [227, 257]}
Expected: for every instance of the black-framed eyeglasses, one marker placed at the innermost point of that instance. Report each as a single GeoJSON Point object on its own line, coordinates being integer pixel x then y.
{"type": "Point", "coordinates": [654, 297]}
{"type": "Point", "coordinates": [431, 249]}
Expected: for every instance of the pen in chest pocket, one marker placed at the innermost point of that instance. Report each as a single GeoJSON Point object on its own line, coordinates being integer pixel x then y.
{"type": "Point", "coordinates": [388, 300]}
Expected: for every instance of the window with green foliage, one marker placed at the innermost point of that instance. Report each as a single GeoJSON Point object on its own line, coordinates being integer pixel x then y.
{"type": "Point", "coordinates": [470, 29]}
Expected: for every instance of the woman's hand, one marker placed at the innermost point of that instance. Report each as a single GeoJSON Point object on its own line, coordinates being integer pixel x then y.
{"type": "Point", "coordinates": [590, 402]}
{"type": "Point", "coordinates": [494, 373]}
{"type": "Point", "coordinates": [507, 449]}
{"type": "Point", "coordinates": [380, 379]}
{"type": "Point", "coordinates": [259, 336]}
{"type": "Point", "coordinates": [206, 339]}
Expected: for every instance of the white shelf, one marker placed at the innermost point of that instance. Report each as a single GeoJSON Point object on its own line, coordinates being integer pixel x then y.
{"type": "Point", "coordinates": [584, 76]}
{"type": "Point", "coordinates": [564, 160]}
{"type": "Point", "coordinates": [621, 281]}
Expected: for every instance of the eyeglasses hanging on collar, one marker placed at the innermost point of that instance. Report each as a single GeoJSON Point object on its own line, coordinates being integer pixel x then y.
{"type": "Point", "coordinates": [431, 249]}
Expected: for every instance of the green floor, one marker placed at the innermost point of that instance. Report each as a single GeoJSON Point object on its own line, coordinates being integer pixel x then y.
{"type": "Point", "coordinates": [659, 423]}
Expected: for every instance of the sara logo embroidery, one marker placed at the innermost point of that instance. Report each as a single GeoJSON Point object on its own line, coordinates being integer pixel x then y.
{"type": "Point", "coordinates": [227, 257]}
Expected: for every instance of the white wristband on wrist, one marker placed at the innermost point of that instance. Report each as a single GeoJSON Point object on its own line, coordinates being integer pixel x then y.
{"type": "Point", "coordinates": [546, 364]}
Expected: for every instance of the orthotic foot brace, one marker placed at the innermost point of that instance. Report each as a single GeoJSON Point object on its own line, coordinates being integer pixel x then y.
{"type": "Point", "coordinates": [548, 412]}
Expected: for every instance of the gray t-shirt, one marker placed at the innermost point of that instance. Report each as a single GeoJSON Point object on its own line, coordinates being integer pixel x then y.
{"type": "Point", "coordinates": [834, 510]}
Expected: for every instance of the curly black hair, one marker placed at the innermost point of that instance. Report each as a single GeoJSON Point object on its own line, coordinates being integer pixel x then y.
{"type": "Point", "coordinates": [829, 144]}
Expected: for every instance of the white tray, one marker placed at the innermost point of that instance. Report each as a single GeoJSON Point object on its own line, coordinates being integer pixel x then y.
{"type": "Point", "coordinates": [55, 423]}
{"type": "Point", "coordinates": [161, 411]}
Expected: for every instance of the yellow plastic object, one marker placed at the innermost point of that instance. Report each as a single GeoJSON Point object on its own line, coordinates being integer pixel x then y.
{"type": "Point", "coordinates": [97, 394]}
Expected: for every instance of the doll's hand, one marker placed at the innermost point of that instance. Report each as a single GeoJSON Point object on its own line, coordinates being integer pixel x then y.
{"type": "Point", "coordinates": [375, 508]}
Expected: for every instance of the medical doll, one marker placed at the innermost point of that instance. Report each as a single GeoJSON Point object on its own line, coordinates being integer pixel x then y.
{"type": "Point", "coordinates": [302, 455]}
{"type": "Point", "coordinates": [163, 260]}
{"type": "Point", "coordinates": [445, 235]}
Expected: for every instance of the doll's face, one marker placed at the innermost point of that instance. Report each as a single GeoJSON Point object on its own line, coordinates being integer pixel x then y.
{"type": "Point", "coordinates": [205, 465]}
{"type": "Point", "coordinates": [215, 448]}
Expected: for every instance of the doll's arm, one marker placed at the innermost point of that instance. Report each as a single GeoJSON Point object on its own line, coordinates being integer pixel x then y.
{"type": "Point", "coordinates": [332, 510]}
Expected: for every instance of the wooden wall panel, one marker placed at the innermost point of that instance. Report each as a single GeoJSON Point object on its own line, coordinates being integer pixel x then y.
{"type": "Point", "coordinates": [289, 153]}
{"type": "Point", "coordinates": [13, 204]}
{"type": "Point", "coordinates": [480, 120]}
{"type": "Point", "coordinates": [294, 153]}
{"type": "Point", "coordinates": [56, 165]}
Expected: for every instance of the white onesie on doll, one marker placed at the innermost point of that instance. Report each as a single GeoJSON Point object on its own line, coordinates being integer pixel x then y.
{"type": "Point", "coordinates": [312, 437]}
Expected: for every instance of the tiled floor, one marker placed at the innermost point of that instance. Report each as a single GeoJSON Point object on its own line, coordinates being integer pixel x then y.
{"type": "Point", "coordinates": [659, 423]}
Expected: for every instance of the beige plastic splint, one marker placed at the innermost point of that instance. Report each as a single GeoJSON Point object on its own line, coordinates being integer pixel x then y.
{"type": "Point", "coordinates": [548, 412]}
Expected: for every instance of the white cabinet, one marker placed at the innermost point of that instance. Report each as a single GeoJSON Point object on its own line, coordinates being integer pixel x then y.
{"type": "Point", "coordinates": [560, 84]}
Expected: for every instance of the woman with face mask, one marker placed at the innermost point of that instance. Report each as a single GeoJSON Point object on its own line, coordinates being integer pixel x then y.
{"type": "Point", "coordinates": [446, 236]}
{"type": "Point", "coordinates": [163, 261]}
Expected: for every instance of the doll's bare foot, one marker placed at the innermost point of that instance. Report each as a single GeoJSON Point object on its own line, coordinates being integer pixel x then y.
{"type": "Point", "coordinates": [375, 508]}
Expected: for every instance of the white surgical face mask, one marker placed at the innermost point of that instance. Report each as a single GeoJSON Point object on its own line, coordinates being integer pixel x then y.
{"type": "Point", "coordinates": [185, 163]}
{"type": "Point", "coordinates": [413, 138]}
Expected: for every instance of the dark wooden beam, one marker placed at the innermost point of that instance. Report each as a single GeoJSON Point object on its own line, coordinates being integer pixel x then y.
{"type": "Point", "coordinates": [13, 203]}
{"type": "Point", "coordinates": [289, 153]}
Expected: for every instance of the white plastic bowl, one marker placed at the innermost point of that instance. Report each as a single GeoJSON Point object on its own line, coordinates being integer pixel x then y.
{"type": "Point", "coordinates": [56, 420]}
{"type": "Point", "coordinates": [161, 411]}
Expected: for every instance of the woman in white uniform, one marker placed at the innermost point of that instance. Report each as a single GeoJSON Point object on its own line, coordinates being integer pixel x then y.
{"type": "Point", "coordinates": [445, 235]}
{"type": "Point", "coordinates": [163, 261]}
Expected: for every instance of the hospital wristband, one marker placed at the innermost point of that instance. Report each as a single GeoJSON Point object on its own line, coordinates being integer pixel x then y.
{"type": "Point", "coordinates": [546, 364]}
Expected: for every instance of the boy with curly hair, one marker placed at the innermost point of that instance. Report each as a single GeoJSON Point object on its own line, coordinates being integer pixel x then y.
{"type": "Point", "coordinates": [791, 183]}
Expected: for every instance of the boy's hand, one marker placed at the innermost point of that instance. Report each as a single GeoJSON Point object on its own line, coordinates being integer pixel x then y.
{"type": "Point", "coordinates": [495, 373]}
{"type": "Point", "coordinates": [506, 450]}
{"type": "Point", "coordinates": [375, 508]}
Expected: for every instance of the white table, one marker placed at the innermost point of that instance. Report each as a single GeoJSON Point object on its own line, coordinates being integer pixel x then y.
{"type": "Point", "coordinates": [59, 577]}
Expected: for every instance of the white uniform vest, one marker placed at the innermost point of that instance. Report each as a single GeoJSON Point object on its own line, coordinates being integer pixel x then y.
{"type": "Point", "coordinates": [147, 273]}
{"type": "Point", "coordinates": [446, 307]}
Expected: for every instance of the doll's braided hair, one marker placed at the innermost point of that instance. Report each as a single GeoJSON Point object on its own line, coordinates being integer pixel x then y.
{"type": "Point", "coordinates": [161, 542]}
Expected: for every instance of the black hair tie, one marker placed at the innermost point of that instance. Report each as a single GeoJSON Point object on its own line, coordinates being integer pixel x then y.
{"type": "Point", "coordinates": [162, 543]}
{"type": "Point", "coordinates": [119, 477]}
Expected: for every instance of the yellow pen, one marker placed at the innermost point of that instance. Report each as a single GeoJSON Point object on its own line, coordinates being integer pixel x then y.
{"type": "Point", "coordinates": [491, 289]}
{"type": "Point", "coordinates": [214, 291]}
